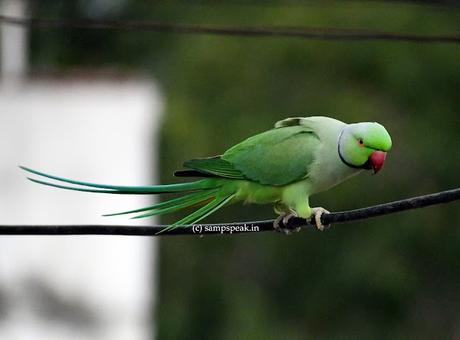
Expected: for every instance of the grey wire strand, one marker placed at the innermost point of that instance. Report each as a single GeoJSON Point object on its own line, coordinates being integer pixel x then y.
{"type": "Point", "coordinates": [318, 33]}
{"type": "Point", "coordinates": [238, 227]}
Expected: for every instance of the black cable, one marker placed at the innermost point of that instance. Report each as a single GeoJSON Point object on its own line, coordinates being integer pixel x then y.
{"type": "Point", "coordinates": [236, 227]}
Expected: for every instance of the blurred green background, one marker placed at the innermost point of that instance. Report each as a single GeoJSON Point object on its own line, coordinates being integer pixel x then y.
{"type": "Point", "coordinates": [394, 277]}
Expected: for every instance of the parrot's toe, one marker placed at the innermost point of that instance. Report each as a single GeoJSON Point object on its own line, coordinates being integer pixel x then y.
{"type": "Point", "coordinates": [317, 213]}
{"type": "Point", "coordinates": [284, 218]}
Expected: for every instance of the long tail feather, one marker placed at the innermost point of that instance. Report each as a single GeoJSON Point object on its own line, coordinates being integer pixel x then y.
{"type": "Point", "coordinates": [118, 189]}
{"type": "Point", "coordinates": [60, 186]}
{"type": "Point", "coordinates": [205, 191]}
{"type": "Point", "coordinates": [176, 207]}
{"type": "Point", "coordinates": [201, 213]}
{"type": "Point", "coordinates": [191, 199]}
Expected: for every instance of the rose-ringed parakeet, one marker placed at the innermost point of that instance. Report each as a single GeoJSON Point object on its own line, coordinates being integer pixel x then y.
{"type": "Point", "coordinates": [283, 166]}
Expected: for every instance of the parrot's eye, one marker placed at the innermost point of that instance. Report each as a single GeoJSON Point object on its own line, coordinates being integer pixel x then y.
{"type": "Point", "coordinates": [360, 141]}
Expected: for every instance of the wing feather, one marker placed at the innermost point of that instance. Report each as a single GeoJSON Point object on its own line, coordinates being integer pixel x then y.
{"type": "Point", "coordinates": [215, 166]}
{"type": "Point", "coordinates": [276, 157]}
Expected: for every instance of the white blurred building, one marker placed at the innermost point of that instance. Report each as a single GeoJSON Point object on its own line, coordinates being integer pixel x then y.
{"type": "Point", "coordinates": [93, 127]}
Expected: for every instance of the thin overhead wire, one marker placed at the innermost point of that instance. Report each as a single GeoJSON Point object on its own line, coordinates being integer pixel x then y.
{"type": "Point", "coordinates": [315, 33]}
{"type": "Point", "coordinates": [235, 227]}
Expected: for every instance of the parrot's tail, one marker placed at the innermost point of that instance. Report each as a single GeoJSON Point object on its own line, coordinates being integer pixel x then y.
{"type": "Point", "coordinates": [205, 191]}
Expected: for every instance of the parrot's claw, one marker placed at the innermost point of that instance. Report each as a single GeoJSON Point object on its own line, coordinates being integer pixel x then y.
{"type": "Point", "coordinates": [285, 219]}
{"type": "Point", "coordinates": [317, 213]}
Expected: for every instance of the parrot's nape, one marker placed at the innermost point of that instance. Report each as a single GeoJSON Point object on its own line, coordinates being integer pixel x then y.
{"type": "Point", "coordinates": [283, 166]}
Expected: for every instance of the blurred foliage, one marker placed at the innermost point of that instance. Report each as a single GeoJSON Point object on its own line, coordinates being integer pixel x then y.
{"type": "Point", "coordinates": [395, 277]}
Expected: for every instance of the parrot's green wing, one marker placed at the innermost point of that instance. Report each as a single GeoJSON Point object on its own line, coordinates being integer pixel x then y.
{"type": "Point", "coordinates": [213, 166]}
{"type": "Point", "coordinates": [276, 157]}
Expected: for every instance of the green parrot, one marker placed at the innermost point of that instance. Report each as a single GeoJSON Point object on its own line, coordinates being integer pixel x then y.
{"type": "Point", "coordinates": [284, 166]}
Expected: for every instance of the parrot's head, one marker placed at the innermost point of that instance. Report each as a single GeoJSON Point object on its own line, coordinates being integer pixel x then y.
{"type": "Point", "coordinates": [364, 146]}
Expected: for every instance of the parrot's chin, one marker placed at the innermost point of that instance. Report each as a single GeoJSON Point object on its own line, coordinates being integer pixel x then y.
{"type": "Point", "coordinates": [376, 160]}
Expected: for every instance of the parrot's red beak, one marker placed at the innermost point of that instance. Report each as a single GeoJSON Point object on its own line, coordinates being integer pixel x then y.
{"type": "Point", "coordinates": [376, 160]}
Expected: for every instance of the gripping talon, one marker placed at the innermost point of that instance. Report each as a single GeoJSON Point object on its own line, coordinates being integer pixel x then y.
{"type": "Point", "coordinates": [285, 218]}
{"type": "Point", "coordinates": [317, 213]}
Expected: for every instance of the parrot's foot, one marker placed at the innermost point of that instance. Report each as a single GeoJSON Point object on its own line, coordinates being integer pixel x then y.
{"type": "Point", "coordinates": [317, 213]}
{"type": "Point", "coordinates": [284, 218]}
